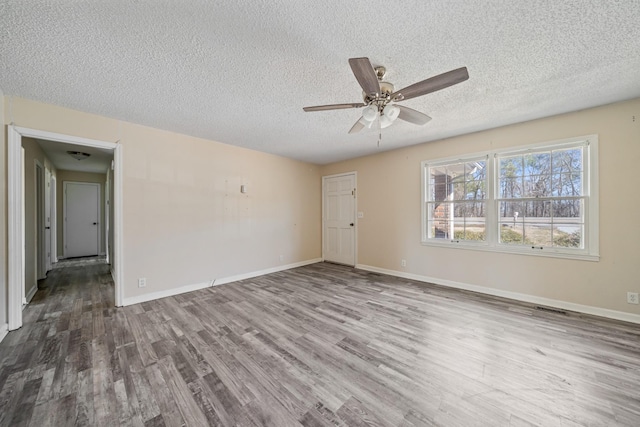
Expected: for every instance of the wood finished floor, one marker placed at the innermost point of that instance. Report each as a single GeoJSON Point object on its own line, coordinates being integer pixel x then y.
{"type": "Point", "coordinates": [322, 345]}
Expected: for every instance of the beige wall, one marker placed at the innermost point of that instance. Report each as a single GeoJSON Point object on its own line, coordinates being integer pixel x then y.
{"type": "Point", "coordinates": [32, 152]}
{"type": "Point", "coordinates": [65, 175]}
{"type": "Point", "coordinates": [184, 218]}
{"type": "Point", "coordinates": [389, 196]}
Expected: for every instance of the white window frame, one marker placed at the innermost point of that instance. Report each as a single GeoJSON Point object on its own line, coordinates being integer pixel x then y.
{"type": "Point", "coordinates": [425, 201]}
{"type": "Point", "coordinates": [589, 252]}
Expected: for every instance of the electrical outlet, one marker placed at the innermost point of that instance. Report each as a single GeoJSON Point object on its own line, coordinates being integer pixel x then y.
{"type": "Point", "coordinates": [632, 297]}
{"type": "Point", "coordinates": [403, 263]}
{"type": "Point", "coordinates": [142, 282]}
{"type": "Point", "coordinates": [360, 215]}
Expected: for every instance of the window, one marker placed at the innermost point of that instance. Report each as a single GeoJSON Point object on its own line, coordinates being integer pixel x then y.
{"type": "Point", "coordinates": [456, 202]}
{"type": "Point", "coordinates": [539, 199]}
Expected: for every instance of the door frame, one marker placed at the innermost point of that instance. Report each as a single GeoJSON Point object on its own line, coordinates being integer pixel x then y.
{"type": "Point", "coordinates": [355, 212]}
{"type": "Point", "coordinates": [15, 178]}
{"type": "Point", "coordinates": [64, 214]}
{"type": "Point", "coordinates": [39, 180]}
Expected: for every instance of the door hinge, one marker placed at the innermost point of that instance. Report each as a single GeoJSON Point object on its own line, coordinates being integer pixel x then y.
{"type": "Point", "coordinates": [353, 193]}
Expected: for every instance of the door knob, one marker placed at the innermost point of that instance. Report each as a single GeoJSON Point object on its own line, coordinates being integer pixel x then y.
{"type": "Point", "coordinates": [47, 228]}
{"type": "Point", "coordinates": [351, 224]}
{"type": "Point", "coordinates": [95, 223]}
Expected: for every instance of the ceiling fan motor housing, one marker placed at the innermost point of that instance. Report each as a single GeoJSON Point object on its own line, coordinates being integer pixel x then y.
{"type": "Point", "coordinates": [381, 99]}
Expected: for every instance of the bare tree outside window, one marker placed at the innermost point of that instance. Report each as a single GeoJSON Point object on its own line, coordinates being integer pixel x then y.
{"type": "Point", "coordinates": [545, 189]}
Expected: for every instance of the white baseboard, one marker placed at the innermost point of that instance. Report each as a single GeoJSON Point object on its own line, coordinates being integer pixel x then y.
{"type": "Point", "coordinates": [30, 294]}
{"type": "Point", "coordinates": [238, 277]}
{"type": "Point", "coordinates": [197, 286]}
{"type": "Point", "coordinates": [163, 294]}
{"type": "Point", "coordinates": [586, 309]}
{"type": "Point", "coordinates": [4, 330]}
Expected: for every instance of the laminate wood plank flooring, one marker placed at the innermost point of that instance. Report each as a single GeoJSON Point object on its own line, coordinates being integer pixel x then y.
{"type": "Point", "coordinates": [321, 345]}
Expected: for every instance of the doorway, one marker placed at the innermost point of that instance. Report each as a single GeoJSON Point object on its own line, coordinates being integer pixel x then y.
{"type": "Point", "coordinates": [81, 211]}
{"type": "Point", "coordinates": [16, 196]}
{"type": "Point", "coordinates": [339, 218]}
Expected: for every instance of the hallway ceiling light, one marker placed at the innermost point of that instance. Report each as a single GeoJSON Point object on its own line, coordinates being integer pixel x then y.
{"type": "Point", "coordinates": [78, 155]}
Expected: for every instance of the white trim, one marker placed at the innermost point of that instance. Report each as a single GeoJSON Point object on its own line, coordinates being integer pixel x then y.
{"type": "Point", "coordinates": [64, 216]}
{"type": "Point", "coordinates": [15, 225]}
{"type": "Point", "coordinates": [164, 294]}
{"type": "Point", "coordinates": [215, 282]}
{"type": "Point", "coordinates": [252, 274]}
{"type": "Point", "coordinates": [4, 330]}
{"type": "Point", "coordinates": [68, 139]}
{"type": "Point", "coordinates": [30, 294]}
{"type": "Point", "coordinates": [355, 212]}
{"type": "Point", "coordinates": [118, 252]}
{"type": "Point", "coordinates": [15, 217]}
{"type": "Point", "coordinates": [590, 252]}
{"type": "Point", "coordinates": [586, 309]}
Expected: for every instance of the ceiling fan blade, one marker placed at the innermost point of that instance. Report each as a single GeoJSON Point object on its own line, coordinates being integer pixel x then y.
{"type": "Point", "coordinates": [365, 75]}
{"type": "Point", "coordinates": [357, 127]}
{"type": "Point", "coordinates": [432, 84]}
{"type": "Point", "coordinates": [412, 116]}
{"type": "Point", "coordinates": [334, 107]}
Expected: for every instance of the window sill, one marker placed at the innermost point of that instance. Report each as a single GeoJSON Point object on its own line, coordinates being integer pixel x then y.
{"type": "Point", "coordinates": [485, 247]}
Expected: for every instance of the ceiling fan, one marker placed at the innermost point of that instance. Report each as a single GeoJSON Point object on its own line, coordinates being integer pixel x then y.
{"type": "Point", "coordinates": [379, 97]}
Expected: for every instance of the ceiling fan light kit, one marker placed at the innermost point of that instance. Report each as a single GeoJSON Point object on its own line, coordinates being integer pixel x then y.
{"type": "Point", "coordinates": [379, 96]}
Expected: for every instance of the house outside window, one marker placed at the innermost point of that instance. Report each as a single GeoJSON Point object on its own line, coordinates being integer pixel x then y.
{"type": "Point", "coordinates": [540, 199]}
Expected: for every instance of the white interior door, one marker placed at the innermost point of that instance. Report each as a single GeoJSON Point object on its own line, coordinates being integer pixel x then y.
{"type": "Point", "coordinates": [47, 219]}
{"type": "Point", "coordinates": [53, 247]}
{"type": "Point", "coordinates": [82, 214]}
{"type": "Point", "coordinates": [41, 249]}
{"type": "Point", "coordinates": [339, 217]}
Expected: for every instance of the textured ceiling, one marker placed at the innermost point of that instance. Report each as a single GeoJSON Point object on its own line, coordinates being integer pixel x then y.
{"type": "Point", "coordinates": [239, 72]}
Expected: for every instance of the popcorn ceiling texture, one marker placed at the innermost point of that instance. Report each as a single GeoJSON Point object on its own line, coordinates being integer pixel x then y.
{"type": "Point", "coordinates": [239, 72]}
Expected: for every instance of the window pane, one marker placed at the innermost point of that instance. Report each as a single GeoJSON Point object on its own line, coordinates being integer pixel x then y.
{"type": "Point", "coordinates": [511, 167]}
{"type": "Point", "coordinates": [511, 210]}
{"type": "Point", "coordinates": [537, 164]}
{"type": "Point", "coordinates": [439, 215]}
{"type": "Point", "coordinates": [469, 229]}
{"type": "Point", "coordinates": [512, 234]}
{"type": "Point", "coordinates": [468, 221]}
{"type": "Point", "coordinates": [438, 192]}
{"type": "Point", "coordinates": [510, 188]}
{"type": "Point", "coordinates": [475, 190]}
{"type": "Point", "coordinates": [568, 236]}
{"type": "Point", "coordinates": [567, 161]}
{"type": "Point", "coordinates": [457, 221]}
{"type": "Point", "coordinates": [567, 184]}
{"type": "Point", "coordinates": [567, 210]}
{"type": "Point", "coordinates": [539, 234]}
{"type": "Point", "coordinates": [439, 230]}
{"type": "Point", "coordinates": [536, 186]}
{"type": "Point", "coordinates": [458, 190]}
{"type": "Point", "coordinates": [536, 209]}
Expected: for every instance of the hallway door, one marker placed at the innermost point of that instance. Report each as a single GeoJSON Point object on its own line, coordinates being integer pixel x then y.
{"type": "Point", "coordinates": [81, 214]}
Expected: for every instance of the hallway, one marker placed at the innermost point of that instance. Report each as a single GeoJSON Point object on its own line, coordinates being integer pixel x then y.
{"type": "Point", "coordinates": [44, 365]}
